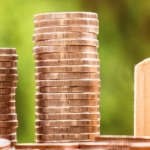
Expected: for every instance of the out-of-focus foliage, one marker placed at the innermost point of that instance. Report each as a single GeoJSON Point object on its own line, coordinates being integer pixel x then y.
{"type": "Point", "coordinates": [124, 41]}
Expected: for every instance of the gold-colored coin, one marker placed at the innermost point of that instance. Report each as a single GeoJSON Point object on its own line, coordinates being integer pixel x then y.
{"type": "Point", "coordinates": [64, 15]}
{"type": "Point", "coordinates": [83, 102]}
{"type": "Point", "coordinates": [6, 91]}
{"type": "Point", "coordinates": [12, 77]}
{"type": "Point", "coordinates": [67, 96]}
{"type": "Point", "coordinates": [62, 130]}
{"type": "Point", "coordinates": [7, 50]}
{"type": "Point", "coordinates": [7, 110]}
{"type": "Point", "coordinates": [7, 130]}
{"type": "Point", "coordinates": [8, 71]}
{"type": "Point", "coordinates": [64, 49]}
{"type": "Point", "coordinates": [81, 136]}
{"type": "Point", "coordinates": [57, 42]}
{"type": "Point", "coordinates": [7, 104]}
{"type": "Point", "coordinates": [79, 55]}
{"type": "Point", "coordinates": [8, 136]}
{"type": "Point", "coordinates": [71, 89]}
{"type": "Point", "coordinates": [5, 124]}
{"type": "Point", "coordinates": [7, 97]}
{"type": "Point", "coordinates": [66, 22]}
{"type": "Point", "coordinates": [8, 57]}
{"type": "Point", "coordinates": [4, 144]}
{"type": "Point", "coordinates": [67, 116]}
{"type": "Point", "coordinates": [5, 117]}
{"type": "Point", "coordinates": [8, 84]}
{"type": "Point", "coordinates": [8, 64]}
{"type": "Point", "coordinates": [66, 62]}
{"type": "Point", "coordinates": [63, 35]}
{"type": "Point", "coordinates": [74, 75]}
{"type": "Point", "coordinates": [75, 82]}
{"type": "Point", "coordinates": [67, 123]}
{"type": "Point", "coordinates": [88, 29]}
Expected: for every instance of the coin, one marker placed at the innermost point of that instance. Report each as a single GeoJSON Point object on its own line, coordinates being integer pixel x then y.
{"type": "Point", "coordinates": [7, 97]}
{"type": "Point", "coordinates": [63, 35]}
{"type": "Point", "coordinates": [71, 89]}
{"type": "Point", "coordinates": [6, 91]}
{"type": "Point", "coordinates": [4, 144]}
{"type": "Point", "coordinates": [67, 116]}
{"type": "Point", "coordinates": [67, 96]}
{"type": "Point", "coordinates": [65, 62]}
{"type": "Point", "coordinates": [81, 136]}
{"type": "Point", "coordinates": [83, 102]}
{"type": "Point", "coordinates": [64, 49]}
{"type": "Point", "coordinates": [88, 29]}
{"type": "Point", "coordinates": [7, 130]}
{"type": "Point", "coordinates": [79, 55]}
{"type": "Point", "coordinates": [5, 124]}
{"type": "Point", "coordinates": [7, 84]}
{"type": "Point", "coordinates": [57, 123]}
{"type": "Point", "coordinates": [64, 15]}
{"type": "Point", "coordinates": [7, 110]}
{"type": "Point", "coordinates": [47, 146]}
{"type": "Point", "coordinates": [139, 146]}
{"type": "Point", "coordinates": [8, 57]}
{"type": "Point", "coordinates": [8, 104]}
{"type": "Point", "coordinates": [13, 143]}
{"type": "Point", "coordinates": [55, 42]}
{"type": "Point", "coordinates": [5, 117]}
{"type": "Point", "coordinates": [8, 64]}
{"type": "Point", "coordinates": [13, 77]}
{"type": "Point", "coordinates": [66, 22]}
{"type": "Point", "coordinates": [62, 130]}
{"type": "Point", "coordinates": [8, 136]}
{"type": "Point", "coordinates": [7, 50]}
{"type": "Point", "coordinates": [8, 71]}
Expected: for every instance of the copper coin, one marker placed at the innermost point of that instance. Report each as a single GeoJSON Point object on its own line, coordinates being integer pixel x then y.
{"type": "Point", "coordinates": [8, 71]}
{"type": "Point", "coordinates": [64, 123]}
{"type": "Point", "coordinates": [5, 117]}
{"type": "Point", "coordinates": [8, 64]}
{"type": "Point", "coordinates": [75, 82]}
{"type": "Point", "coordinates": [8, 136]}
{"type": "Point", "coordinates": [7, 91]}
{"type": "Point", "coordinates": [67, 96]}
{"type": "Point", "coordinates": [62, 130]}
{"type": "Point", "coordinates": [44, 146]}
{"type": "Point", "coordinates": [7, 130]}
{"type": "Point", "coordinates": [4, 144]}
{"type": "Point", "coordinates": [7, 97]}
{"type": "Point", "coordinates": [88, 29]}
{"type": "Point", "coordinates": [5, 124]}
{"type": "Point", "coordinates": [64, 15]}
{"type": "Point", "coordinates": [63, 49]}
{"type": "Point", "coordinates": [66, 22]}
{"type": "Point", "coordinates": [8, 57]}
{"type": "Point", "coordinates": [74, 75]}
{"type": "Point", "coordinates": [71, 89]}
{"type": "Point", "coordinates": [13, 143]}
{"type": "Point", "coordinates": [83, 102]}
{"type": "Point", "coordinates": [66, 62]}
{"type": "Point", "coordinates": [58, 42]}
{"type": "Point", "coordinates": [7, 84]}
{"type": "Point", "coordinates": [139, 146]}
{"type": "Point", "coordinates": [63, 35]}
{"type": "Point", "coordinates": [67, 116]}
{"type": "Point", "coordinates": [79, 55]}
{"type": "Point", "coordinates": [7, 110]}
{"type": "Point", "coordinates": [8, 104]}
{"type": "Point", "coordinates": [7, 50]}
{"type": "Point", "coordinates": [64, 110]}
{"type": "Point", "coordinates": [13, 77]}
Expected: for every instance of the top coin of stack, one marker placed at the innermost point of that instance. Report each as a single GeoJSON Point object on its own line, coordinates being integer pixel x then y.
{"type": "Point", "coordinates": [67, 76]}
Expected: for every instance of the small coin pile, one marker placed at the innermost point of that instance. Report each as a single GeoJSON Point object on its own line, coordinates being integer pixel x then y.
{"type": "Point", "coordinates": [8, 84]}
{"type": "Point", "coordinates": [67, 77]}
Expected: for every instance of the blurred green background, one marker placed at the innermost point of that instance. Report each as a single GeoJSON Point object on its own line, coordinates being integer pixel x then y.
{"type": "Point", "coordinates": [124, 41]}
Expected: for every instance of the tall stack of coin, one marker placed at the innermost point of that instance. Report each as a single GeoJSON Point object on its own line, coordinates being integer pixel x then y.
{"type": "Point", "coordinates": [8, 84]}
{"type": "Point", "coordinates": [67, 77]}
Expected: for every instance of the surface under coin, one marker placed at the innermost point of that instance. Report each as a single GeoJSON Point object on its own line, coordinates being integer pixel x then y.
{"type": "Point", "coordinates": [8, 71]}
{"type": "Point", "coordinates": [63, 49]}
{"type": "Point", "coordinates": [64, 15]}
{"type": "Point", "coordinates": [7, 84]}
{"type": "Point", "coordinates": [80, 55]}
{"type": "Point", "coordinates": [7, 130]}
{"type": "Point", "coordinates": [7, 91]}
{"type": "Point", "coordinates": [71, 89]}
{"type": "Point", "coordinates": [81, 136]}
{"type": "Point", "coordinates": [7, 97]}
{"type": "Point", "coordinates": [65, 62]}
{"type": "Point", "coordinates": [83, 102]}
{"type": "Point", "coordinates": [65, 123]}
{"type": "Point", "coordinates": [62, 130]}
{"type": "Point", "coordinates": [67, 96]}
{"type": "Point", "coordinates": [63, 35]}
{"type": "Point", "coordinates": [13, 77]}
{"type": "Point", "coordinates": [7, 50]}
{"type": "Point", "coordinates": [8, 64]}
{"type": "Point", "coordinates": [88, 29]}
{"type": "Point", "coordinates": [55, 42]}
{"type": "Point", "coordinates": [7, 104]}
{"type": "Point", "coordinates": [8, 57]}
{"type": "Point", "coordinates": [7, 110]}
{"type": "Point", "coordinates": [6, 117]}
{"type": "Point", "coordinates": [8, 136]}
{"type": "Point", "coordinates": [4, 144]}
{"type": "Point", "coordinates": [5, 124]}
{"type": "Point", "coordinates": [66, 22]}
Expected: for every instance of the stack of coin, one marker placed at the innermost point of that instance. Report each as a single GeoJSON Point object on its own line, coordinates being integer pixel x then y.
{"type": "Point", "coordinates": [67, 77]}
{"type": "Point", "coordinates": [8, 84]}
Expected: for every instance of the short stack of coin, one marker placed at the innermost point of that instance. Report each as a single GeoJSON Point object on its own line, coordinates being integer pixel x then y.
{"type": "Point", "coordinates": [8, 84]}
{"type": "Point", "coordinates": [67, 77]}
